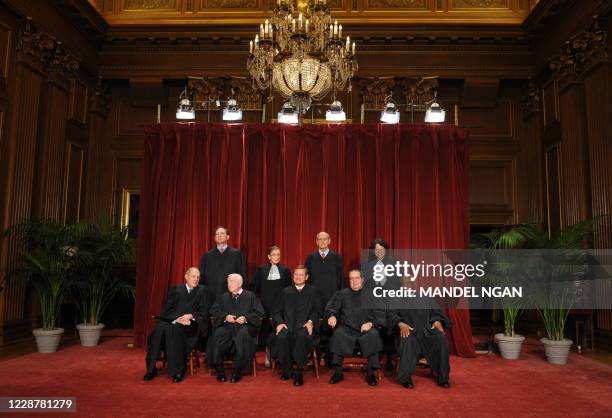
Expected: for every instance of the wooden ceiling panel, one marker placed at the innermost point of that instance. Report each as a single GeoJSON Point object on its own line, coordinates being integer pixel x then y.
{"type": "Point", "coordinates": [215, 12]}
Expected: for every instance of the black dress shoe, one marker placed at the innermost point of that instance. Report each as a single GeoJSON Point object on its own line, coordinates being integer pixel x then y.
{"type": "Point", "coordinates": [220, 376]}
{"type": "Point", "coordinates": [286, 376]}
{"type": "Point", "coordinates": [235, 377]}
{"type": "Point", "coordinates": [178, 378]}
{"type": "Point", "coordinates": [336, 378]}
{"type": "Point", "coordinates": [150, 375]}
{"type": "Point", "coordinates": [298, 379]}
{"type": "Point", "coordinates": [408, 384]}
{"type": "Point", "coordinates": [372, 380]}
{"type": "Point", "coordinates": [444, 384]}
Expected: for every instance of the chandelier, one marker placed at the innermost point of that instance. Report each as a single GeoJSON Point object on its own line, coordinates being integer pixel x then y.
{"type": "Point", "coordinates": [300, 53]}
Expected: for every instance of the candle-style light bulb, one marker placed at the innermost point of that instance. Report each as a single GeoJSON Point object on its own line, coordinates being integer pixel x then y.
{"type": "Point", "coordinates": [340, 31]}
{"type": "Point", "coordinates": [331, 31]}
{"type": "Point", "coordinates": [251, 47]}
{"type": "Point", "coordinates": [348, 43]}
{"type": "Point", "coordinates": [293, 25]}
{"type": "Point", "coordinates": [353, 48]}
{"type": "Point", "coordinates": [307, 23]}
{"type": "Point", "coordinates": [261, 31]}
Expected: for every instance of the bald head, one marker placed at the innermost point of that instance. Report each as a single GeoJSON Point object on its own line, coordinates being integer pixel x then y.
{"type": "Point", "coordinates": [323, 240]}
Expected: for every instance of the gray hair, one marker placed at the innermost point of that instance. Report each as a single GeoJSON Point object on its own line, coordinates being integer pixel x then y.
{"type": "Point", "coordinates": [235, 276]}
{"type": "Point", "coordinates": [192, 268]}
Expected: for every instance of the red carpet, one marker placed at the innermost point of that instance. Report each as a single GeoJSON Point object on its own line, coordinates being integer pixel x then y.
{"type": "Point", "coordinates": [107, 381]}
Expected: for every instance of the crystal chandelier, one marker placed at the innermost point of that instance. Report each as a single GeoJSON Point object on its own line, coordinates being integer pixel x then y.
{"type": "Point", "coordinates": [300, 53]}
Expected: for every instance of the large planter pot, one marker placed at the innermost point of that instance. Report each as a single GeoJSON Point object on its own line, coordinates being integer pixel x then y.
{"type": "Point", "coordinates": [509, 347]}
{"type": "Point", "coordinates": [556, 351]}
{"type": "Point", "coordinates": [47, 340]}
{"type": "Point", "coordinates": [90, 334]}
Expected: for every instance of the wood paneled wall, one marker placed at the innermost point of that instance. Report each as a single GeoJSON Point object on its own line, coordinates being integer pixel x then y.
{"type": "Point", "coordinates": [577, 126]}
{"type": "Point", "coordinates": [44, 140]}
{"type": "Point", "coordinates": [71, 139]}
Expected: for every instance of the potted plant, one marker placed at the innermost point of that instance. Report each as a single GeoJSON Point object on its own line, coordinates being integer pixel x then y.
{"type": "Point", "coordinates": [47, 255]}
{"type": "Point", "coordinates": [553, 307]}
{"type": "Point", "coordinates": [509, 343]}
{"type": "Point", "coordinates": [104, 252]}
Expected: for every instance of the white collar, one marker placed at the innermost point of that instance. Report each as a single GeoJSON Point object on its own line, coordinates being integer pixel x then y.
{"type": "Point", "coordinates": [300, 287]}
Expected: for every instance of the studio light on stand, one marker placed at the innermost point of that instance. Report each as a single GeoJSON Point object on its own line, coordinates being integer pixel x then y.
{"type": "Point", "coordinates": [335, 113]}
{"type": "Point", "coordinates": [232, 112]}
{"type": "Point", "coordinates": [185, 111]}
{"type": "Point", "coordinates": [390, 114]}
{"type": "Point", "coordinates": [288, 114]}
{"type": "Point", "coordinates": [435, 113]}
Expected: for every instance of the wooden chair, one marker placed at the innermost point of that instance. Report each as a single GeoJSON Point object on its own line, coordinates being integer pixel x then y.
{"type": "Point", "coordinates": [359, 363]}
{"type": "Point", "coordinates": [229, 363]}
{"type": "Point", "coordinates": [313, 361]}
{"type": "Point", "coordinates": [584, 318]}
{"type": "Point", "coordinates": [313, 357]}
{"type": "Point", "coordinates": [421, 364]}
{"type": "Point", "coordinates": [194, 356]}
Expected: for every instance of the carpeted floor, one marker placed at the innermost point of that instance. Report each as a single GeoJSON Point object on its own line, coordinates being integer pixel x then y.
{"type": "Point", "coordinates": [107, 381]}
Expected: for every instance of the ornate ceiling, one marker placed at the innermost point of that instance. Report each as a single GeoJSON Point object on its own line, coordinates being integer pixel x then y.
{"type": "Point", "coordinates": [370, 12]}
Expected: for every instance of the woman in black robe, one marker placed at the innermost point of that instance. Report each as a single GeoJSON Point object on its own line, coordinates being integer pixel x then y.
{"type": "Point", "coordinates": [268, 282]}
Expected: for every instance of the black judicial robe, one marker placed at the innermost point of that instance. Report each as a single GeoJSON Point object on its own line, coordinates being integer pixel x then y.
{"type": "Point", "coordinates": [294, 308]}
{"type": "Point", "coordinates": [215, 267]}
{"type": "Point", "coordinates": [178, 340]}
{"type": "Point", "coordinates": [326, 273]}
{"type": "Point", "coordinates": [241, 339]}
{"type": "Point", "coordinates": [422, 341]}
{"type": "Point", "coordinates": [346, 306]}
{"type": "Point", "coordinates": [268, 291]}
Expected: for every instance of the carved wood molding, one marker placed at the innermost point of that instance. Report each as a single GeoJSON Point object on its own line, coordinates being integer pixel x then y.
{"type": "Point", "coordinates": [374, 91]}
{"type": "Point", "coordinates": [205, 91]}
{"type": "Point", "coordinates": [530, 100]}
{"type": "Point", "coordinates": [582, 51]}
{"type": "Point", "coordinates": [248, 96]}
{"type": "Point", "coordinates": [44, 51]}
{"type": "Point", "coordinates": [99, 102]}
{"type": "Point", "coordinates": [405, 4]}
{"type": "Point", "coordinates": [420, 92]}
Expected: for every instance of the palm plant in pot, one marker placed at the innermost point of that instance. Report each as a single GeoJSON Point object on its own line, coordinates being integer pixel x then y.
{"type": "Point", "coordinates": [106, 254]}
{"type": "Point", "coordinates": [552, 306]}
{"type": "Point", "coordinates": [509, 342]}
{"type": "Point", "coordinates": [47, 256]}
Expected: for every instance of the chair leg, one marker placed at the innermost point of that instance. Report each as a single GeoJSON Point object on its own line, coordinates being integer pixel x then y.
{"type": "Point", "coordinates": [191, 363]}
{"type": "Point", "coordinates": [396, 368]}
{"type": "Point", "coordinates": [254, 367]}
{"type": "Point", "coordinates": [315, 363]}
{"type": "Point", "coordinates": [378, 375]}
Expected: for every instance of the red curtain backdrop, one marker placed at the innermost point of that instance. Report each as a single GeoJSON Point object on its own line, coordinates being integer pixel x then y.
{"type": "Point", "coordinates": [280, 184]}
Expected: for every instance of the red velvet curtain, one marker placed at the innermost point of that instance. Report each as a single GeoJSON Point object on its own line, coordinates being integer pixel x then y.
{"type": "Point", "coordinates": [280, 184]}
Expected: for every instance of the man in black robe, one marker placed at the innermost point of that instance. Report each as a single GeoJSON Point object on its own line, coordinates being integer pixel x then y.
{"type": "Point", "coordinates": [237, 316]}
{"type": "Point", "coordinates": [420, 333]}
{"type": "Point", "coordinates": [183, 320]}
{"type": "Point", "coordinates": [295, 316]}
{"type": "Point", "coordinates": [325, 268]}
{"type": "Point", "coordinates": [327, 275]}
{"type": "Point", "coordinates": [220, 262]}
{"type": "Point", "coordinates": [356, 325]}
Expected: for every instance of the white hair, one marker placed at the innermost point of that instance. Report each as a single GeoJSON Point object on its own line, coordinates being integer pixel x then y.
{"type": "Point", "coordinates": [235, 276]}
{"type": "Point", "coordinates": [190, 269]}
